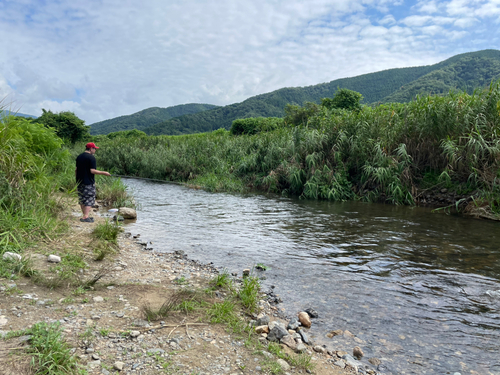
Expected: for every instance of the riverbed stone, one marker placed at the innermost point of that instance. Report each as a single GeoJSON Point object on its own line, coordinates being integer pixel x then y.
{"type": "Point", "coordinates": [118, 365]}
{"type": "Point", "coordinates": [277, 333]}
{"type": "Point", "coordinates": [303, 336]}
{"type": "Point", "coordinates": [289, 341]}
{"type": "Point", "coordinates": [128, 213]}
{"type": "Point", "coordinates": [262, 329]}
{"type": "Point", "coordinates": [301, 348]}
{"type": "Point", "coordinates": [262, 319]}
{"type": "Point", "coordinates": [312, 313]}
{"type": "Point", "coordinates": [351, 361]}
{"type": "Point", "coordinates": [319, 349]}
{"type": "Point", "coordinates": [374, 361]}
{"type": "Point", "coordinates": [337, 332]}
{"type": "Point", "coordinates": [11, 256]}
{"type": "Point", "coordinates": [304, 319]}
{"type": "Point", "coordinates": [54, 258]}
{"type": "Point", "coordinates": [293, 324]}
{"type": "Point", "coordinates": [283, 364]}
{"type": "Point", "coordinates": [357, 352]}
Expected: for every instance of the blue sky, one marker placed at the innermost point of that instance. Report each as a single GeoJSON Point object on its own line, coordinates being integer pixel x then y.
{"type": "Point", "coordinates": [107, 58]}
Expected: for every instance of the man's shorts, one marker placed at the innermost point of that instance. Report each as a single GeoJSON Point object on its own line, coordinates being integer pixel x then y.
{"type": "Point", "coordinates": [86, 195]}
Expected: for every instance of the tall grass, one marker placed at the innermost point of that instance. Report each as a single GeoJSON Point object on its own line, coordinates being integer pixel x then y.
{"type": "Point", "coordinates": [379, 153]}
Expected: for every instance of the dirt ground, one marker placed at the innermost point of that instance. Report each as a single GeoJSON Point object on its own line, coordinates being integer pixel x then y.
{"type": "Point", "coordinates": [106, 326]}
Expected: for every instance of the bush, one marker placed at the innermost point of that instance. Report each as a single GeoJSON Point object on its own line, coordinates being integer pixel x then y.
{"type": "Point", "coordinates": [254, 125]}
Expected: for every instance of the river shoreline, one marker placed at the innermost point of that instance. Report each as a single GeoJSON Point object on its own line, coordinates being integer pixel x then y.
{"type": "Point", "coordinates": [99, 323]}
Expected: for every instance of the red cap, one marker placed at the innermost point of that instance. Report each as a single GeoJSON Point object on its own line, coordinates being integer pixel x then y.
{"type": "Point", "coordinates": [91, 145]}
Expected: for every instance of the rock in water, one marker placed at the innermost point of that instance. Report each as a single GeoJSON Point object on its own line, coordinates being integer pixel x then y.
{"type": "Point", "coordinates": [304, 319]}
{"type": "Point", "coordinates": [312, 313]}
{"type": "Point", "coordinates": [128, 213]}
{"type": "Point", "coordinates": [357, 352]}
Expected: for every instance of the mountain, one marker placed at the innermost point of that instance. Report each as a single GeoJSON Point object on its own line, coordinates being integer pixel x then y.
{"type": "Point", "coordinates": [7, 113]}
{"type": "Point", "coordinates": [466, 71]}
{"type": "Point", "coordinates": [146, 117]}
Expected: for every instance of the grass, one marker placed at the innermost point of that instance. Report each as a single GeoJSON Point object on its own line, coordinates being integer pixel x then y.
{"type": "Point", "coordinates": [107, 231]}
{"type": "Point", "coordinates": [183, 300]}
{"type": "Point", "coordinates": [51, 355]}
{"type": "Point", "coordinates": [249, 293]}
{"type": "Point", "coordinates": [222, 281]}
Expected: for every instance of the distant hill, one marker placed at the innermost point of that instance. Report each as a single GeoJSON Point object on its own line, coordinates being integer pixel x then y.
{"type": "Point", "coordinates": [466, 71]}
{"type": "Point", "coordinates": [146, 117]}
{"type": "Point", "coordinates": [7, 113]}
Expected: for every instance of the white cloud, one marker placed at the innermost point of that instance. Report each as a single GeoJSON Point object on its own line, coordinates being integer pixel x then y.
{"type": "Point", "coordinates": [105, 59]}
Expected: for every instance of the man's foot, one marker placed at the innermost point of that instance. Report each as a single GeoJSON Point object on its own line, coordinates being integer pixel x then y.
{"type": "Point", "coordinates": [87, 220]}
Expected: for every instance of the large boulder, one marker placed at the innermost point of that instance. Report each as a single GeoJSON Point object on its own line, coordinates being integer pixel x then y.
{"type": "Point", "coordinates": [128, 213]}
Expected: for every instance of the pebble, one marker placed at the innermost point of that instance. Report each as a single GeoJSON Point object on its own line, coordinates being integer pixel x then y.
{"type": "Point", "coordinates": [54, 259]}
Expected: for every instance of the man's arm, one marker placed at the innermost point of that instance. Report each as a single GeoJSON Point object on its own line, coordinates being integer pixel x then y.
{"type": "Point", "coordinates": [95, 171]}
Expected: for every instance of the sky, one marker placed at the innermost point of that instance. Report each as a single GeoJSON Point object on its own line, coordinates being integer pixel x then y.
{"type": "Point", "coordinates": [104, 58]}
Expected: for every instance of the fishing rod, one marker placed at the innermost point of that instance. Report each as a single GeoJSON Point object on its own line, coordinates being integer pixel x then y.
{"type": "Point", "coordinates": [148, 179]}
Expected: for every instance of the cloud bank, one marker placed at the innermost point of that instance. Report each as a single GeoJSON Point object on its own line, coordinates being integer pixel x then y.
{"type": "Point", "coordinates": [102, 59]}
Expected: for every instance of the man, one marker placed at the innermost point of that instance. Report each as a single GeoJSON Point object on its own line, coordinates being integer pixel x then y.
{"type": "Point", "coordinates": [85, 171]}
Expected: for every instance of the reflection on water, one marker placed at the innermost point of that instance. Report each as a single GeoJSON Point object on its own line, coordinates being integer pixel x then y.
{"type": "Point", "coordinates": [419, 289]}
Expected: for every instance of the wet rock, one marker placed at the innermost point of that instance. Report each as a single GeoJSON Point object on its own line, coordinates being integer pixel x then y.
{"type": "Point", "coordinates": [54, 259]}
{"type": "Point", "coordinates": [303, 336]}
{"type": "Point", "coordinates": [128, 213]}
{"type": "Point", "coordinates": [11, 256]}
{"type": "Point", "coordinates": [289, 341]}
{"type": "Point", "coordinates": [246, 272]}
{"type": "Point", "coordinates": [357, 352]}
{"type": "Point", "coordinates": [337, 332]}
{"type": "Point", "coordinates": [293, 324]}
{"type": "Point", "coordinates": [304, 319]}
{"type": "Point", "coordinates": [375, 361]}
{"type": "Point", "coordinates": [348, 334]}
{"type": "Point", "coordinates": [312, 313]}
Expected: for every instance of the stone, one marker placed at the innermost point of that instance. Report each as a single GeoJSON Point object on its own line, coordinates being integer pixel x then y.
{"type": "Point", "coordinates": [289, 341]}
{"type": "Point", "coordinates": [375, 361]}
{"type": "Point", "coordinates": [319, 349]}
{"type": "Point", "coordinates": [357, 352]}
{"type": "Point", "coordinates": [293, 324]}
{"type": "Point", "coordinates": [246, 272]}
{"type": "Point", "coordinates": [3, 320]}
{"type": "Point", "coordinates": [118, 365]}
{"type": "Point", "coordinates": [301, 348]}
{"type": "Point", "coordinates": [303, 336]}
{"type": "Point", "coordinates": [128, 213]}
{"type": "Point", "coordinates": [95, 356]}
{"type": "Point", "coordinates": [262, 319]}
{"type": "Point", "coordinates": [277, 333]}
{"type": "Point", "coordinates": [337, 332]}
{"type": "Point", "coordinates": [312, 313]}
{"type": "Point", "coordinates": [262, 329]}
{"type": "Point", "coordinates": [283, 364]}
{"type": "Point", "coordinates": [275, 323]}
{"type": "Point", "coordinates": [340, 364]}
{"type": "Point", "coordinates": [54, 259]}
{"type": "Point", "coordinates": [135, 333]}
{"type": "Point", "coordinates": [11, 256]}
{"type": "Point", "coordinates": [98, 299]}
{"type": "Point", "coordinates": [348, 334]}
{"type": "Point", "coordinates": [304, 319]}
{"type": "Point", "coordinates": [351, 361]}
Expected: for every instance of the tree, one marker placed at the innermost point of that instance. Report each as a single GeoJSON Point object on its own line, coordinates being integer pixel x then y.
{"type": "Point", "coordinates": [343, 99]}
{"type": "Point", "coordinates": [66, 124]}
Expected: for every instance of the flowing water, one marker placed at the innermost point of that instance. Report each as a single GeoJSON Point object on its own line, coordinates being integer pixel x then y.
{"type": "Point", "coordinates": [421, 290]}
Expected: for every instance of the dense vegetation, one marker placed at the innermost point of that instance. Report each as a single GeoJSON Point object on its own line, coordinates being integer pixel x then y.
{"type": "Point", "coordinates": [147, 117]}
{"type": "Point", "coordinates": [463, 72]}
{"type": "Point", "coordinates": [387, 153]}
{"type": "Point", "coordinates": [34, 165]}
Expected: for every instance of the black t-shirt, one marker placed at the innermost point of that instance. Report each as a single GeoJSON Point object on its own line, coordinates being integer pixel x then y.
{"type": "Point", "coordinates": [84, 163]}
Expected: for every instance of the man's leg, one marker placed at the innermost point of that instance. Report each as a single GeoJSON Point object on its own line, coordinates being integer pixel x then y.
{"type": "Point", "coordinates": [85, 211]}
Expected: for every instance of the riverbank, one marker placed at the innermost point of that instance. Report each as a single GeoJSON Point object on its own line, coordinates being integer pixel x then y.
{"type": "Point", "coordinates": [106, 328]}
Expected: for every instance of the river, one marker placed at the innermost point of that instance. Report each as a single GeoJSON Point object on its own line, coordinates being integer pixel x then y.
{"type": "Point", "coordinates": [420, 289]}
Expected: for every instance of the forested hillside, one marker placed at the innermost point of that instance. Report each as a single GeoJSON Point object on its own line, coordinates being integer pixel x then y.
{"type": "Point", "coordinates": [464, 72]}
{"type": "Point", "coordinates": [146, 117]}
